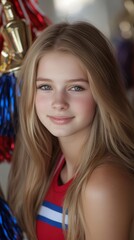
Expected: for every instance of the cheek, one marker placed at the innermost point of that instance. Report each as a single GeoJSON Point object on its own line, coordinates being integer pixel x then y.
{"type": "Point", "coordinates": [86, 105]}
{"type": "Point", "coordinates": [41, 102]}
{"type": "Point", "coordinates": [90, 104]}
{"type": "Point", "coordinates": [89, 110]}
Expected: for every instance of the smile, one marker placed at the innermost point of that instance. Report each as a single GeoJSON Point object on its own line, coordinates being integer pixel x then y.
{"type": "Point", "coordinates": [60, 120]}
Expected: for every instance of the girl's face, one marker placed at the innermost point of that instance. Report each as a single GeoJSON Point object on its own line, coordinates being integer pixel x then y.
{"type": "Point", "coordinates": [64, 103]}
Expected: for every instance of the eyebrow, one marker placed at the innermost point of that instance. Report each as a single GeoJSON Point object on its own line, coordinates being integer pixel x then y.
{"type": "Point", "coordinates": [70, 80]}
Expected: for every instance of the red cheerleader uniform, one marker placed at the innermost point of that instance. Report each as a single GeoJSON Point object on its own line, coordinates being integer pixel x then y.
{"type": "Point", "coordinates": [49, 218]}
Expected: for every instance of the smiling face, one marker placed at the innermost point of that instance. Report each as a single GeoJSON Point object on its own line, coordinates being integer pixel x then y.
{"type": "Point", "coordinates": [64, 103]}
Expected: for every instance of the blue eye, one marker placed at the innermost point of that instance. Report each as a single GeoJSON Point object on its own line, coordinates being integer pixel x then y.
{"type": "Point", "coordinates": [77, 88]}
{"type": "Point", "coordinates": [44, 87]}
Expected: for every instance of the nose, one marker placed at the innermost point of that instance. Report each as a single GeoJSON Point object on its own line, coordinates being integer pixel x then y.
{"type": "Point", "coordinates": [60, 101]}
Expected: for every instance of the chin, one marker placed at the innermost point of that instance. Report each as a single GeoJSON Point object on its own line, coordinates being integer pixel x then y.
{"type": "Point", "coordinates": [59, 134]}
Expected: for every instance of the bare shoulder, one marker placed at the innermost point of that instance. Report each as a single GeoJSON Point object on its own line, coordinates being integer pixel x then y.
{"type": "Point", "coordinates": [108, 203]}
{"type": "Point", "coordinates": [110, 178]}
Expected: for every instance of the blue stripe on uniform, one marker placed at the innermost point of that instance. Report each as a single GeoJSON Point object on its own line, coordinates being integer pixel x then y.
{"type": "Point", "coordinates": [52, 206]}
{"type": "Point", "coordinates": [50, 222]}
{"type": "Point", "coordinates": [51, 214]}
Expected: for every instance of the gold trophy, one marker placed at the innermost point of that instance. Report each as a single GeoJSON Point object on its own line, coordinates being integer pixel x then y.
{"type": "Point", "coordinates": [17, 39]}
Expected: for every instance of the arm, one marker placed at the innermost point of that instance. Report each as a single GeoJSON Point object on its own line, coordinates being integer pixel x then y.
{"type": "Point", "coordinates": [108, 203]}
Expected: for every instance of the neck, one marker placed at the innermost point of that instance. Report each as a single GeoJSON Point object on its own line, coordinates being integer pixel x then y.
{"type": "Point", "coordinates": [72, 149]}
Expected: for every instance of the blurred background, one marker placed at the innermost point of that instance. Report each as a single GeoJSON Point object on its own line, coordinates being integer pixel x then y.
{"type": "Point", "coordinates": [114, 18]}
{"type": "Point", "coordinates": [102, 13]}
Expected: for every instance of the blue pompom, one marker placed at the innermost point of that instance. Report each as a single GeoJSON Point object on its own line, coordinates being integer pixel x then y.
{"type": "Point", "coordinates": [9, 228]}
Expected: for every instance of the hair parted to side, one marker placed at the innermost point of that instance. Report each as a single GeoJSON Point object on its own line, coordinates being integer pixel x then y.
{"type": "Point", "coordinates": [36, 150]}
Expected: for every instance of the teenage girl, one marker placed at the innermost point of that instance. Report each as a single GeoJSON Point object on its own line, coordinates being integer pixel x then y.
{"type": "Point", "coordinates": [72, 174]}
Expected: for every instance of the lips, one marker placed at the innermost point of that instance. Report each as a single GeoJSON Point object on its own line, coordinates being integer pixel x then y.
{"type": "Point", "coordinates": [60, 120]}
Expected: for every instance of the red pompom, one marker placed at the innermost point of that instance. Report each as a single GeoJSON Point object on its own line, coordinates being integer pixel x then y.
{"type": "Point", "coordinates": [29, 10]}
{"type": "Point", "coordinates": [6, 148]}
{"type": "Point", "coordinates": [1, 43]}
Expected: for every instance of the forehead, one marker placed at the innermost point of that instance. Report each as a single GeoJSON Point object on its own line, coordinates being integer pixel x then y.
{"type": "Point", "coordinates": [60, 63]}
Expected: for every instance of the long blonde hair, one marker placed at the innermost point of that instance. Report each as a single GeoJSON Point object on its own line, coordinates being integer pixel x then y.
{"type": "Point", "coordinates": [36, 150]}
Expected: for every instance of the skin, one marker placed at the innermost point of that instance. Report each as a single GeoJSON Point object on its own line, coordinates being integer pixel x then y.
{"type": "Point", "coordinates": [109, 204]}
{"type": "Point", "coordinates": [64, 103]}
{"type": "Point", "coordinates": [65, 106]}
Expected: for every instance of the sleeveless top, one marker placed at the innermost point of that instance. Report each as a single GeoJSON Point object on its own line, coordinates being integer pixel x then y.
{"type": "Point", "coordinates": [49, 218]}
{"type": "Point", "coordinates": [9, 228]}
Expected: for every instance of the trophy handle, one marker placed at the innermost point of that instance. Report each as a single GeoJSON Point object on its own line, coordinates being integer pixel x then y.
{"type": "Point", "coordinates": [17, 37]}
